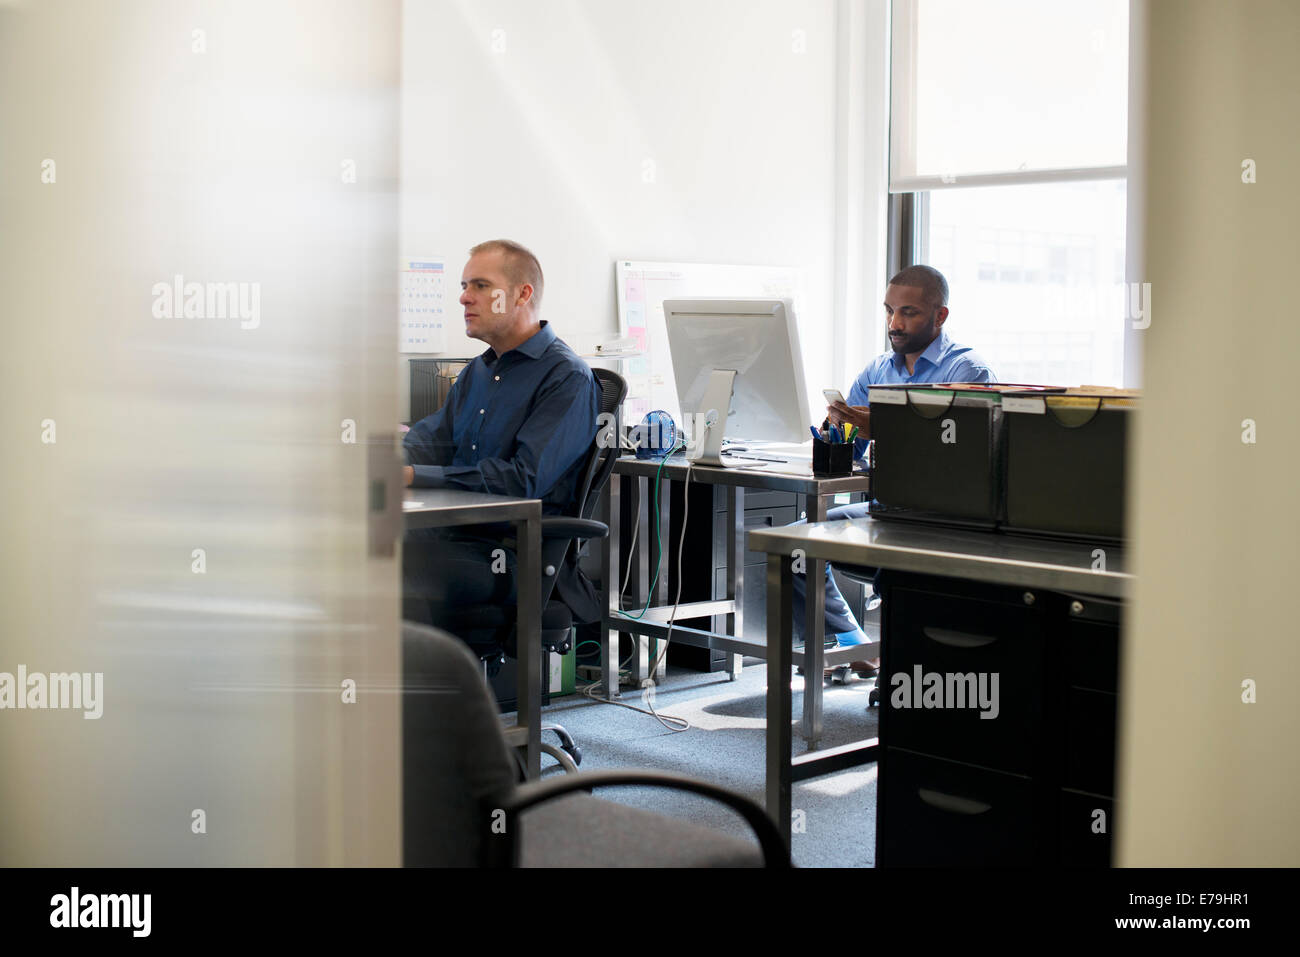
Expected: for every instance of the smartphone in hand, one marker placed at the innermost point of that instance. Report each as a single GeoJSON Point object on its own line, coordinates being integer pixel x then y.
{"type": "Point", "coordinates": [832, 396]}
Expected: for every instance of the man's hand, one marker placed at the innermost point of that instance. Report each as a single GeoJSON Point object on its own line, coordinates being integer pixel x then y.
{"type": "Point", "coordinates": [860, 415]}
{"type": "Point", "coordinates": [408, 475]}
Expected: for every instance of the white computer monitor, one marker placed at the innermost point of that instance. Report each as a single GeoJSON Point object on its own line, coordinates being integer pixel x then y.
{"type": "Point", "coordinates": [759, 341]}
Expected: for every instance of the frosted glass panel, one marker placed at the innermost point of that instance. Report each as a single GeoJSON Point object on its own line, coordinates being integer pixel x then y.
{"type": "Point", "coordinates": [199, 265]}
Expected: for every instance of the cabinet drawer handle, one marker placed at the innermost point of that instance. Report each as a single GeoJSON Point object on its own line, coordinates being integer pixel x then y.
{"type": "Point", "coordinates": [958, 639]}
{"type": "Point", "coordinates": [950, 802]}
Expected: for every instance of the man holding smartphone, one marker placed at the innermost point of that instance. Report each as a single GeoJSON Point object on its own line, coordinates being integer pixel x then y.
{"type": "Point", "coordinates": [916, 308]}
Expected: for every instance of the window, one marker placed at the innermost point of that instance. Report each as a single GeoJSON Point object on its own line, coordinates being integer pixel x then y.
{"type": "Point", "coordinates": [1014, 149]}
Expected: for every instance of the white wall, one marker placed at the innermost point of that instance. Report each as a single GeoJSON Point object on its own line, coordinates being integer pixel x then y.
{"type": "Point", "coordinates": [546, 139]}
{"type": "Point", "coordinates": [1206, 778]}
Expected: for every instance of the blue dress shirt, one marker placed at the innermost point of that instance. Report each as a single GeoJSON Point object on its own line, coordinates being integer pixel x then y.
{"type": "Point", "coordinates": [942, 361]}
{"type": "Point", "coordinates": [518, 424]}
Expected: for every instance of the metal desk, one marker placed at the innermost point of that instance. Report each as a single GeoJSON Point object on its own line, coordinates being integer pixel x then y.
{"type": "Point", "coordinates": [976, 556]}
{"type": "Point", "coordinates": [445, 508]}
{"type": "Point", "coordinates": [797, 478]}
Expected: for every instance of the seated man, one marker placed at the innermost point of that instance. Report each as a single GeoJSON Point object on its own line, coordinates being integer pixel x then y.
{"type": "Point", "coordinates": [916, 308]}
{"type": "Point", "coordinates": [519, 421]}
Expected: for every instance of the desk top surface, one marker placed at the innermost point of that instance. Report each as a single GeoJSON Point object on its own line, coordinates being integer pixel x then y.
{"type": "Point", "coordinates": [982, 556]}
{"type": "Point", "coordinates": [794, 475]}
{"type": "Point", "coordinates": [453, 506]}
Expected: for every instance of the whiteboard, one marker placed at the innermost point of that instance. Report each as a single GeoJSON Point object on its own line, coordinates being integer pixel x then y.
{"type": "Point", "coordinates": [643, 287]}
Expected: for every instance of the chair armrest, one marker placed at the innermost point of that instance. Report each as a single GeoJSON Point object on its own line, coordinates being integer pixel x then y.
{"type": "Point", "coordinates": [533, 793]}
{"type": "Point", "coordinates": [562, 527]}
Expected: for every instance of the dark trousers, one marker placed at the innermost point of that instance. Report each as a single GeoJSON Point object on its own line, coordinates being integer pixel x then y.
{"type": "Point", "coordinates": [445, 568]}
{"type": "Point", "coordinates": [839, 616]}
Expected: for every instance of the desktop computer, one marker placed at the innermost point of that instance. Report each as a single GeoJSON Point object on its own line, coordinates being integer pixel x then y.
{"type": "Point", "coordinates": [739, 373]}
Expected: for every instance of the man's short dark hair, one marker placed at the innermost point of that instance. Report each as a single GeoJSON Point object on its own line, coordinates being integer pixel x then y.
{"type": "Point", "coordinates": [520, 264]}
{"type": "Point", "coordinates": [928, 279]}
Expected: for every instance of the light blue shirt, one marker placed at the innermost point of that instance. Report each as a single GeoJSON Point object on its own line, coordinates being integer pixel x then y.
{"type": "Point", "coordinates": [942, 361]}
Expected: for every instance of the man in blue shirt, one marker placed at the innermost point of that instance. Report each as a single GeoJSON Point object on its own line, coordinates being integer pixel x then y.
{"type": "Point", "coordinates": [916, 308]}
{"type": "Point", "coordinates": [519, 421]}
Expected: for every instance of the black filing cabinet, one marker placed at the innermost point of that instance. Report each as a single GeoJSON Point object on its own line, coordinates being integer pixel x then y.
{"type": "Point", "coordinates": [998, 714]}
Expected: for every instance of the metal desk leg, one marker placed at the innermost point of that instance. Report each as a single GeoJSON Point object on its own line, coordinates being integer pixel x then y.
{"type": "Point", "coordinates": [640, 666]}
{"type": "Point", "coordinates": [735, 574]}
{"type": "Point", "coordinates": [529, 618]}
{"type": "Point", "coordinates": [814, 634]}
{"type": "Point", "coordinates": [613, 579]}
{"type": "Point", "coordinates": [780, 645]}
{"type": "Point", "coordinates": [666, 556]}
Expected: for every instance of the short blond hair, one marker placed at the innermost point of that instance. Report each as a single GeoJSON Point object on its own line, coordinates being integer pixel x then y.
{"type": "Point", "coordinates": [520, 264]}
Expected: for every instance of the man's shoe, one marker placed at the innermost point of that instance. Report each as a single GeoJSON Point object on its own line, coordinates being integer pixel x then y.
{"type": "Point", "coordinates": [864, 669]}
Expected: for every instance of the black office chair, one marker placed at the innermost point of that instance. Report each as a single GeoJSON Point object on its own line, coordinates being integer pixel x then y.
{"type": "Point", "coordinates": [489, 630]}
{"type": "Point", "coordinates": [462, 806]}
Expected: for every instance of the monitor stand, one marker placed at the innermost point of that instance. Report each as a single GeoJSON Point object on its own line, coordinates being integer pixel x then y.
{"type": "Point", "coordinates": [712, 419]}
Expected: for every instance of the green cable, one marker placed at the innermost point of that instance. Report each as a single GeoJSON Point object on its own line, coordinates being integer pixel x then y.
{"type": "Point", "coordinates": [659, 545]}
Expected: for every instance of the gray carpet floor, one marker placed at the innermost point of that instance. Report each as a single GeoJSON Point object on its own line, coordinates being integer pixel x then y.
{"type": "Point", "coordinates": [725, 745]}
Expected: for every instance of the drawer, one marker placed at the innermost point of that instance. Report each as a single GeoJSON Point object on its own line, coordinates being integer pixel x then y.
{"type": "Point", "coordinates": [1090, 741]}
{"type": "Point", "coordinates": [1085, 825]}
{"type": "Point", "coordinates": [1091, 653]}
{"type": "Point", "coordinates": [755, 518]}
{"type": "Point", "coordinates": [758, 498]}
{"type": "Point", "coordinates": [935, 813]}
{"type": "Point", "coordinates": [754, 604]}
{"type": "Point", "coordinates": [952, 646]}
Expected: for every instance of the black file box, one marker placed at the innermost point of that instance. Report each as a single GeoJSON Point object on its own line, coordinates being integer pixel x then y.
{"type": "Point", "coordinates": [937, 455]}
{"type": "Point", "coordinates": [1066, 463]}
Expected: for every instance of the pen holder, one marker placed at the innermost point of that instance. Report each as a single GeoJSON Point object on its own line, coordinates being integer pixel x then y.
{"type": "Point", "coordinates": [832, 458]}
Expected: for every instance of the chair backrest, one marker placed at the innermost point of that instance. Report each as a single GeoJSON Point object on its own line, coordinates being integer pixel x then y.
{"type": "Point", "coordinates": [454, 756]}
{"type": "Point", "coordinates": [605, 448]}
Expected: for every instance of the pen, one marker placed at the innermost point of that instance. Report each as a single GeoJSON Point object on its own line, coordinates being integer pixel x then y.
{"type": "Point", "coordinates": [817, 436]}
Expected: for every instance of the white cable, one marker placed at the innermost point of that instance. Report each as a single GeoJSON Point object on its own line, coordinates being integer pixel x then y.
{"type": "Point", "coordinates": [677, 600]}
{"type": "Point", "coordinates": [589, 690]}
{"type": "Point", "coordinates": [636, 527]}
{"type": "Point", "coordinates": [662, 719]}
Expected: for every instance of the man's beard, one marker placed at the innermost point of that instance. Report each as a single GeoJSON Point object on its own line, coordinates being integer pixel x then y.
{"type": "Point", "coordinates": [916, 342]}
